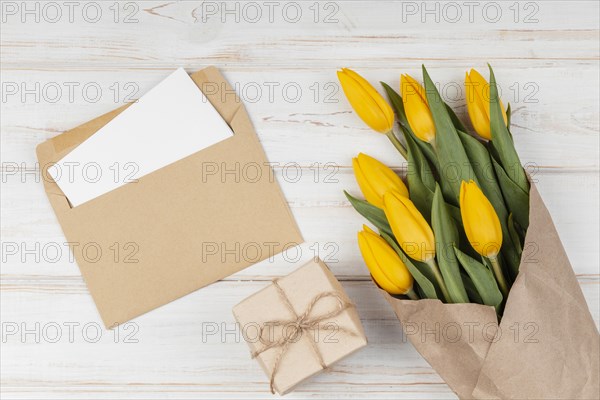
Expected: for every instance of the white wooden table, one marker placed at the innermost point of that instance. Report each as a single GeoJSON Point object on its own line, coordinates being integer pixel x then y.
{"type": "Point", "coordinates": [64, 63]}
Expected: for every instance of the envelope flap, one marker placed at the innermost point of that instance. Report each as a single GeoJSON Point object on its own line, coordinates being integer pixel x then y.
{"type": "Point", "coordinates": [57, 147]}
{"type": "Point", "coordinates": [218, 91]}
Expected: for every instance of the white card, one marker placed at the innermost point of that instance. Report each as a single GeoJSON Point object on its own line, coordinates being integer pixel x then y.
{"type": "Point", "coordinates": [170, 122]}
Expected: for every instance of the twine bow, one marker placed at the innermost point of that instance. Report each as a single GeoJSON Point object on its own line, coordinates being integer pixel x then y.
{"type": "Point", "coordinates": [295, 327]}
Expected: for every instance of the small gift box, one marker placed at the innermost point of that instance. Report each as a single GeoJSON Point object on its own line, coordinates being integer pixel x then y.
{"type": "Point", "coordinates": [299, 325]}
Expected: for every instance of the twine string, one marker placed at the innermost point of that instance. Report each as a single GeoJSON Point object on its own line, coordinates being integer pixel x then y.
{"type": "Point", "coordinates": [298, 325]}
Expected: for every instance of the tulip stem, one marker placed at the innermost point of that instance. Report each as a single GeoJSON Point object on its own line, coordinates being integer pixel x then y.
{"type": "Point", "coordinates": [440, 279]}
{"type": "Point", "coordinates": [412, 295]}
{"type": "Point", "coordinates": [499, 276]}
{"type": "Point", "coordinates": [397, 144]}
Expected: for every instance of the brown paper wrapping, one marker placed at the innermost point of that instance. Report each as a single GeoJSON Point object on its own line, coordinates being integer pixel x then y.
{"type": "Point", "coordinates": [547, 345]}
{"type": "Point", "coordinates": [299, 361]}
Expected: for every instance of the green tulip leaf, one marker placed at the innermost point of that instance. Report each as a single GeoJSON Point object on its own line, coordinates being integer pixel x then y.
{"type": "Point", "coordinates": [462, 235]}
{"type": "Point", "coordinates": [427, 177]}
{"type": "Point", "coordinates": [502, 139]}
{"type": "Point", "coordinates": [454, 163]}
{"type": "Point", "coordinates": [455, 214]}
{"type": "Point", "coordinates": [427, 288]}
{"type": "Point", "coordinates": [419, 194]}
{"type": "Point", "coordinates": [420, 291]}
{"type": "Point", "coordinates": [420, 163]}
{"type": "Point", "coordinates": [375, 215]}
{"type": "Point", "coordinates": [455, 120]}
{"type": "Point", "coordinates": [446, 237]}
{"type": "Point", "coordinates": [514, 235]}
{"type": "Point", "coordinates": [508, 117]}
{"type": "Point", "coordinates": [419, 178]}
{"type": "Point", "coordinates": [426, 270]}
{"type": "Point", "coordinates": [397, 105]}
{"type": "Point", "coordinates": [471, 289]}
{"type": "Point", "coordinates": [516, 199]}
{"type": "Point", "coordinates": [482, 278]}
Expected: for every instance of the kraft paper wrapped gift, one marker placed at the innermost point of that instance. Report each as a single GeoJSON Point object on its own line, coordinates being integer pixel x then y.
{"type": "Point", "coordinates": [299, 325]}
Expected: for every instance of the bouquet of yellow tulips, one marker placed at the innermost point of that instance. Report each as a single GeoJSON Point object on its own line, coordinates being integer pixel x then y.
{"type": "Point", "coordinates": [456, 234]}
{"type": "Point", "coordinates": [463, 241]}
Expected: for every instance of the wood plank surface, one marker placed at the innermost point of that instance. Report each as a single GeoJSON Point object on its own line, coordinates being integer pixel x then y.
{"type": "Point", "coordinates": [63, 64]}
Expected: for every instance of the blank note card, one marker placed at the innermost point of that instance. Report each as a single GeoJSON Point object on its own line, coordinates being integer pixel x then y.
{"type": "Point", "coordinates": [170, 122]}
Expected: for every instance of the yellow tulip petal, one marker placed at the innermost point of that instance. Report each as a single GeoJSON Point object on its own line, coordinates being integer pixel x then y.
{"type": "Point", "coordinates": [367, 229]}
{"type": "Point", "coordinates": [411, 85]}
{"type": "Point", "coordinates": [363, 182]}
{"type": "Point", "coordinates": [381, 178]}
{"type": "Point", "coordinates": [478, 103]}
{"type": "Point", "coordinates": [373, 266]}
{"type": "Point", "coordinates": [364, 103]}
{"type": "Point", "coordinates": [385, 264]}
{"type": "Point", "coordinates": [484, 92]}
{"type": "Point", "coordinates": [411, 230]}
{"type": "Point", "coordinates": [364, 106]}
{"type": "Point", "coordinates": [383, 105]}
{"type": "Point", "coordinates": [476, 109]}
{"type": "Point", "coordinates": [391, 264]}
{"type": "Point", "coordinates": [417, 109]}
{"type": "Point", "coordinates": [480, 220]}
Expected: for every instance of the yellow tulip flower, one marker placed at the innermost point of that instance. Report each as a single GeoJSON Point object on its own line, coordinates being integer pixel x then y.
{"type": "Point", "coordinates": [409, 227]}
{"type": "Point", "coordinates": [480, 220]}
{"type": "Point", "coordinates": [417, 109]}
{"type": "Point", "coordinates": [478, 103]}
{"type": "Point", "coordinates": [385, 265]}
{"type": "Point", "coordinates": [375, 178]}
{"type": "Point", "coordinates": [366, 101]}
{"type": "Point", "coordinates": [413, 233]}
{"type": "Point", "coordinates": [482, 227]}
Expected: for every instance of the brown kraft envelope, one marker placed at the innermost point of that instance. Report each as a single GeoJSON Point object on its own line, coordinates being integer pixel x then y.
{"type": "Point", "coordinates": [181, 227]}
{"type": "Point", "coordinates": [547, 345]}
